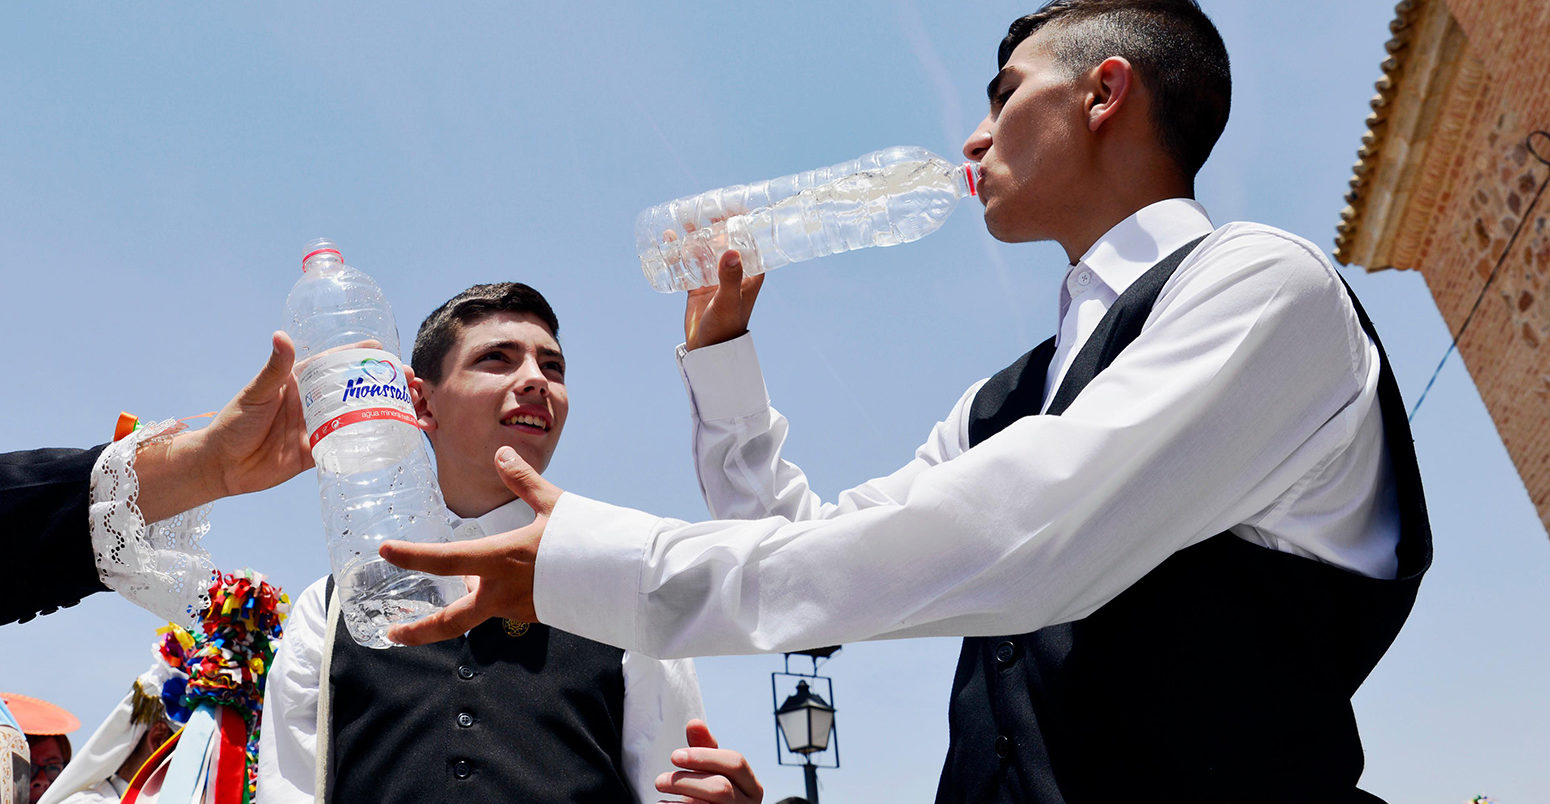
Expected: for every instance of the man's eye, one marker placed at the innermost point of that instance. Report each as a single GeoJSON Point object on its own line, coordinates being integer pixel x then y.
{"type": "Point", "coordinates": [558, 368]}
{"type": "Point", "coordinates": [1001, 99]}
{"type": "Point", "coordinates": [492, 356]}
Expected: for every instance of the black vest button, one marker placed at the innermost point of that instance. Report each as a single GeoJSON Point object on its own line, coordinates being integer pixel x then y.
{"type": "Point", "coordinates": [464, 719]}
{"type": "Point", "coordinates": [1003, 746]}
{"type": "Point", "coordinates": [1006, 653]}
{"type": "Point", "coordinates": [465, 672]}
{"type": "Point", "coordinates": [462, 769]}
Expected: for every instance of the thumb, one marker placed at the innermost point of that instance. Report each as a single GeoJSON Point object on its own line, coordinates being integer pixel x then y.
{"type": "Point", "coordinates": [275, 373]}
{"type": "Point", "coordinates": [525, 481]}
{"type": "Point", "coordinates": [729, 272]}
{"type": "Point", "coordinates": [698, 735]}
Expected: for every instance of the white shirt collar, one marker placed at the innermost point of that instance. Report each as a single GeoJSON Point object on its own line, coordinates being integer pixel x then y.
{"type": "Point", "coordinates": [510, 516]}
{"type": "Point", "coordinates": [1140, 241]}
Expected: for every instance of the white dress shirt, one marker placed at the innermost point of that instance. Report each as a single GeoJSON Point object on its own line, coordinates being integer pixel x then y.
{"type": "Point", "coordinates": [1248, 403]}
{"type": "Point", "coordinates": [659, 697]}
{"type": "Point", "coordinates": [107, 791]}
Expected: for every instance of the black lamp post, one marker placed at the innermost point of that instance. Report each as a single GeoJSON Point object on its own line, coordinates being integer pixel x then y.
{"type": "Point", "coordinates": [805, 722]}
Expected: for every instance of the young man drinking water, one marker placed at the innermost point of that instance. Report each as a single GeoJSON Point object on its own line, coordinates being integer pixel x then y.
{"type": "Point", "coordinates": [1177, 536]}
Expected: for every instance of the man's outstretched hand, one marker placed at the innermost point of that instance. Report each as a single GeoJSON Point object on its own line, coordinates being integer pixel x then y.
{"type": "Point", "coordinates": [257, 441]}
{"type": "Point", "coordinates": [501, 565]}
{"type": "Point", "coordinates": [718, 314]}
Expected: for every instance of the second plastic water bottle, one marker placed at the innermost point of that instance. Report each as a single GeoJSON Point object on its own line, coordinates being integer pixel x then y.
{"type": "Point", "coordinates": [896, 195]}
{"type": "Point", "coordinates": [373, 472]}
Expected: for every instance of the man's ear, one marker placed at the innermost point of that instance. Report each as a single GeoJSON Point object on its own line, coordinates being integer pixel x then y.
{"type": "Point", "coordinates": [420, 393]}
{"type": "Point", "coordinates": [158, 733]}
{"type": "Point", "coordinates": [1112, 81]}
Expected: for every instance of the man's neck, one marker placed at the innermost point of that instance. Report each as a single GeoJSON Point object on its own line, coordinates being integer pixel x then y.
{"type": "Point", "coordinates": [475, 506]}
{"type": "Point", "coordinates": [1094, 219]}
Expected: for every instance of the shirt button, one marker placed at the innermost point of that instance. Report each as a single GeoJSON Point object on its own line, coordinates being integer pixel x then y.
{"type": "Point", "coordinates": [1003, 746]}
{"type": "Point", "coordinates": [1006, 653]}
{"type": "Point", "coordinates": [1084, 278]}
{"type": "Point", "coordinates": [465, 720]}
{"type": "Point", "coordinates": [465, 672]}
{"type": "Point", "coordinates": [462, 769]}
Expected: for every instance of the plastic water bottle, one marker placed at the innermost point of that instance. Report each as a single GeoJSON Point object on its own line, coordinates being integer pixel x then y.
{"type": "Point", "coordinates": [373, 471]}
{"type": "Point", "coordinates": [896, 195]}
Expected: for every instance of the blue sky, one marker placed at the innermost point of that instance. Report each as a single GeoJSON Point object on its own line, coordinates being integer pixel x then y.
{"type": "Point", "coordinates": [162, 166]}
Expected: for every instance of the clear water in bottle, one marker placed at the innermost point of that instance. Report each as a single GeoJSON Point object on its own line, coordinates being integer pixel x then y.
{"type": "Point", "coordinates": [374, 475]}
{"type": "Point", "coordinates": [896, 195]}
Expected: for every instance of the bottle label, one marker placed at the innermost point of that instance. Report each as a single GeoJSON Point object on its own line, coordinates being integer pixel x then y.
{"type": "Point", "coordinates": [347, 387]}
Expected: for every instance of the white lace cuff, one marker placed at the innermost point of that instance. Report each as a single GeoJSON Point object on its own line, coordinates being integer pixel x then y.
{"type": "Point", "coordinates": [159, 567]}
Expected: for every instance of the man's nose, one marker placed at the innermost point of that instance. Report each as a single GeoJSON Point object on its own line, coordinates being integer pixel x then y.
{"type": "Point", "coordinates": [531, 379]}
{"type": "Point", "coordinates": [978, 143]}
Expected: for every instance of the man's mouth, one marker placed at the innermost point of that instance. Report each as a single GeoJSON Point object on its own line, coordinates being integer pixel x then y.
{"type": "Point", "coordinates": [526, 420]}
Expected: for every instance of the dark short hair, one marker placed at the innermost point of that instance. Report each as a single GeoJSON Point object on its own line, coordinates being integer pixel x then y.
{"type": "Point", "coordinates": [1174, 49]}
{"type": "Point", "coordinates": [439, 331]}
{"type": "Point", "coordinates": [62, 740]}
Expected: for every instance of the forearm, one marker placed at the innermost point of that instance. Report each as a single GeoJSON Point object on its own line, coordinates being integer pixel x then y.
{"type": "Point", "coordinates": [176, 475]}
{"type": "Point", "coordinates": [43, 501]}
{"type": "Point", "coordinates": [156, 563]}
{"type": "Point", "coordinates": [738, 439]}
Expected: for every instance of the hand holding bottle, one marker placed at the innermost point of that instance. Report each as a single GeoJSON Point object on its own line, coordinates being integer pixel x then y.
{"type": "Point", "coordinates": [887, 197]}
{"type": "Point", "coordinates": [721, 312]}
{"type": "Point", "coordinates": [257, 441]}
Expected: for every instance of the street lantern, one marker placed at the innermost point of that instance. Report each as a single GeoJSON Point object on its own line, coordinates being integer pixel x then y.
{"type": "Point", "coordinates": [805, 721]}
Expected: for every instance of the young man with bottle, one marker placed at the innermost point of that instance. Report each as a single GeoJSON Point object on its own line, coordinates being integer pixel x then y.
{"type": "Point", "coordinates": [511, 710]}
{"type": "Point", "coordinates": [1194, 514]}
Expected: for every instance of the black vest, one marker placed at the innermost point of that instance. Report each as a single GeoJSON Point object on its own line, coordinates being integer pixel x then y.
{"type": "Point", "coordinates": [482, 718]}
{"type": "Point", "coordinates": [1223, 675]}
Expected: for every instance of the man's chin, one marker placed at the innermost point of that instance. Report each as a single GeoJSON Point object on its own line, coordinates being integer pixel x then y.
{"type": "Point", "coordinates": [1007, 233]}
{"type": "Point", "coordinates": [533, 456]}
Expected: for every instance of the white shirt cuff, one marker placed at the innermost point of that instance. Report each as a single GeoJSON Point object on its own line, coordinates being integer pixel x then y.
{"type": "Point", "coordinates": [724, 380]}
{"type": "Point", "coordinates": [587, 576]}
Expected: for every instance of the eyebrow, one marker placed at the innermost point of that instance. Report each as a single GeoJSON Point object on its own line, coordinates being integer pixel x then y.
{"type": "Point", "coordinates": [543, 351]}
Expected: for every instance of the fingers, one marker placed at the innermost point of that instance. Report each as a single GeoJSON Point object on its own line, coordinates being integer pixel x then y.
{"type": "Point", "coordinates": [472, 557]}
{"type": "Point", "coordinates": [718, 775]}
{"type": "Point", "coordinates": [710, 773]}
{"type": "Point", "coordinates": [700, 787]}
{"type": "Point", "coordinates": [751, 285]}
{"type": "Point", "coordinates": [525, 481]}
{"type": "Point", "coordinates": [369, 343]}
{"type": "Point", "coordinates": [456, 619]}
{"type": "Point", "coordinates": [294, 418]}
{"type": "Point", "coordinates": [719, 761]}
{"type": "Point", "coordinates": [698, 735]}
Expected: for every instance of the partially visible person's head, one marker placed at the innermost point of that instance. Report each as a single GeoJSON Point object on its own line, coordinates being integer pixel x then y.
{"type": "Point", "coordinates": [1095, 97]}
{"type": "Point", "coordinates": [50, 755]}
{"type": "Point", "coordinates": [489, 372]}
{"type": "Point", "coordinates": [151, 714]}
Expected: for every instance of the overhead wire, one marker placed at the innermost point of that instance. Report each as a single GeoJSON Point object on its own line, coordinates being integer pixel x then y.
{"type": "Point", "coordinates": [1543, 159]}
